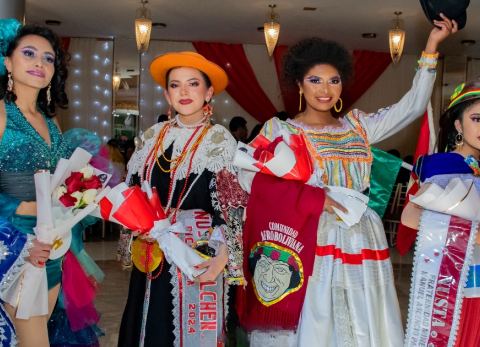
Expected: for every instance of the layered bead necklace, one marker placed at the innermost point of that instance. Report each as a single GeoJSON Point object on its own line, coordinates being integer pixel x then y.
{"type": "Point", "coordinates": [175, 163]}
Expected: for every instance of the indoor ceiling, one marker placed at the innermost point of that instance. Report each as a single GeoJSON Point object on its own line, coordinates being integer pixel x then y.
{"type": "Point", "coordinates": [231, 21]}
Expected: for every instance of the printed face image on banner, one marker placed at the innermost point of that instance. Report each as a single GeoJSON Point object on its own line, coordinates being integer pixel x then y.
{"type": "Point", "coordinates": [277, 272]}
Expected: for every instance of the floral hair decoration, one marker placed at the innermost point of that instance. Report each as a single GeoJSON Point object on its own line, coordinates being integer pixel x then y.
{"type": "Point", "coordinates": [8, 31]}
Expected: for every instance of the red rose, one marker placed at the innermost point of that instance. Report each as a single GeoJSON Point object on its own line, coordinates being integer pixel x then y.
{"type": "Point", "coordinates": [74, 182]}
{"type": "Point", "coordinates": [92, 183]}
{"type": "Point", "coordinates": [67, 200]}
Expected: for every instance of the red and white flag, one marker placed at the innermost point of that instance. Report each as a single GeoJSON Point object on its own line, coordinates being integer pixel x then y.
{"type": "Point", "coordinates": [426, 145]}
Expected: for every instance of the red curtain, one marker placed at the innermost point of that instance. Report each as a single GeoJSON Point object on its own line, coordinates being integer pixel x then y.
{"type": "Point", "coordinates": [367, 65]}
{"type": "Point", "coordinates": [289, 93]}
{"type": "Point", "coordinates": [65, 42]}
{"type": "Point", "coordinates": [243, 85]}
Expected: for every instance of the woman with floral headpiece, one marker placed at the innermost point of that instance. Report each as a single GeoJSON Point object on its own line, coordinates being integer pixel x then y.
{"type": "Point", "coordinates": [32, 84]}
{"type": "Point", "coordinates": [447, 257]}
{"type": "Point", "coordinates": [189, 162]}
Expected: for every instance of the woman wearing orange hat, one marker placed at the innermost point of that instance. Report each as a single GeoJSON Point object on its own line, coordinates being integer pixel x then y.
{"type": "Point", "coordinates": [188, 160]}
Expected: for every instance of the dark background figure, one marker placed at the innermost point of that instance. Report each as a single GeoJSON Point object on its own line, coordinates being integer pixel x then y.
{"type": "Point", "coordinates": [238, 128]}
{"type": "Point", "coordinates": [282, 115]}
{"type": "Point", "coordinates": [404, 174]}
{"type": "Point", "coordinates": [394, 152]}
{"type": "Point", "coordinates": [162, 118]}
{"type": "Point", "coordinates": [255, 131]}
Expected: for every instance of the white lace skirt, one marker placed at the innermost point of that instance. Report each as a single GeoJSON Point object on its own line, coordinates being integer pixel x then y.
{"type": "Point", "coordinates": [351, 298]}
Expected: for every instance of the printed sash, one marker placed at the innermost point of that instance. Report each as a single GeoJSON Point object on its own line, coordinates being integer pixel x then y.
{"type": "Point", "coordinates": [198, 307]}
{"type": "Point", "coordinates": [441, 265]}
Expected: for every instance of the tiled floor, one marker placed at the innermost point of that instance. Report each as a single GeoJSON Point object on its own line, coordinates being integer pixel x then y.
{"type": "Point", "coordinates": [113, 292]}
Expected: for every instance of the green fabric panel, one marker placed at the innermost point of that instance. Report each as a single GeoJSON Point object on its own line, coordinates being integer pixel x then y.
{"type": "Point", "coordinates": [385, 168]}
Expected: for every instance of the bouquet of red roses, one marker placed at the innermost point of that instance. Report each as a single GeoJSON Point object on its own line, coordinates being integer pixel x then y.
{"type": "Point", "coordinates": [63, 199]}
{"type": "Point", "coordinates": [79, 189]}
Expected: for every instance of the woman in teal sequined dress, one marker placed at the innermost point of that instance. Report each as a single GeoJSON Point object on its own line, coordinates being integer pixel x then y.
{"type": "Point", "coordinates": [32, 84]}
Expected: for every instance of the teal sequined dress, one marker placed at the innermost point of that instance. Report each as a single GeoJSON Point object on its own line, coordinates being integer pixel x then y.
{"type": "Point", "coordinates": [22, 152]}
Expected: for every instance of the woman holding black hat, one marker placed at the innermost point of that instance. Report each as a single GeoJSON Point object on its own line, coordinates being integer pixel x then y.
{"type": "Point", "coordinates": [188, 161]}
{"type": "Point", "coordinates": [350, 298]}
{"type": "Point", "coordinates": [454, 322]}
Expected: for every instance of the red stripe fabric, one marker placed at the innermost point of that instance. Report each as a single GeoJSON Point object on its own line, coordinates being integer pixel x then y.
{"type": "Point", "coordinates": [406, 236]}
{"type": "Point", "coordinates": [243, 86]}
{"type": "Point", "coordinates": [352, 258]}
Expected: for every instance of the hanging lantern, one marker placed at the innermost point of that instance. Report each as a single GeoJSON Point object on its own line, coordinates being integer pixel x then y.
{"type": "Point", "coordinates": [116, 79]}
{"type": "Point", "coordinates": [271, 29]}
{"type": "Point", "coordinates": [396, 39]}
{"type": "Point", "coordinates": [143, 27]}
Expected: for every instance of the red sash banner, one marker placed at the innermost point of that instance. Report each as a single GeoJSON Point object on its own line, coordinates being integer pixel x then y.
{"type": "Point", "coordinates": [279, 242]}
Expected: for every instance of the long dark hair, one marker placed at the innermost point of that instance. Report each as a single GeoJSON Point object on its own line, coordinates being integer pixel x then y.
{"type": "Point", "coordinates": [447, 133]}
{"type": "Point", "coordinates": [57, 90]}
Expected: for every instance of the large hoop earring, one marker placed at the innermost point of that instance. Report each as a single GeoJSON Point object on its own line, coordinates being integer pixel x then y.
{"type": "Point", "coordinates": [10, 83]}
{"type": "Point", "coordinates": [300, 93]}
{"type": "Point", "coordinates": [459, 140]}
{"type": "Point", "coordinates": [340, 107]}
{"type": "Point", "coordinates": [49, 95]}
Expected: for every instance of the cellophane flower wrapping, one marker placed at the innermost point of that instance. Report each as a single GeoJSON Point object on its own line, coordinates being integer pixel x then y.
{"type": "Point", "coordinates": [55, 218]}
{"type": "Point", "coordinates": [286, 157]}
{"type": "Point", "coordinates": [141, 212]}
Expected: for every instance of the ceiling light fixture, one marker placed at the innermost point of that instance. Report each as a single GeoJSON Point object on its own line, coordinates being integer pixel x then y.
{"type": "Point", "coordinates": [143, 27]}
{"type": "Point", "coordinates": [369, 35]}
{"type": "Point", "coordinates": [271, 29]}
{"type": "Point", "coordinates": [468, 43]}
{"type": "Point", "coordinates": [52, 22]}
{"type": "Point", "coordinates": [116, 79]}
{"type": "Point", "coordinates": [396, 39]}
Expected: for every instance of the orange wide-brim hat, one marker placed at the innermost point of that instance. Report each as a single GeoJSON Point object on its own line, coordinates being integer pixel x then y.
{"type": "Point", "coordinates": [164, 63]}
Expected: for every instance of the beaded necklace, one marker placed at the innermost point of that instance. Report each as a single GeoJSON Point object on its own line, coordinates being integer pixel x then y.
{"type": "Point", "coordinates": [152, 158]}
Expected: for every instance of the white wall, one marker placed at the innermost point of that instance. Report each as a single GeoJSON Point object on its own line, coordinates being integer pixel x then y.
{"type": "Point", "coordinates": [89, 87]}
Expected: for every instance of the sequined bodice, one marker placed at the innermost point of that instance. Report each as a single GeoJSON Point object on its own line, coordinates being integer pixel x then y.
{"type": "Point", "coordinates": [23, 149]}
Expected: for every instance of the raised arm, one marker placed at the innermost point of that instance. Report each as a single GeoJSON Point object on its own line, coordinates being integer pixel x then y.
{"type": "Point", "coordinates": [387, 121]}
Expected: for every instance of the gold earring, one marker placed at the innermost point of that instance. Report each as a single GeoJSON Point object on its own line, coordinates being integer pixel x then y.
{"type": "Point", "coordinates": [49, 95]}
{"type": "Point", "coordinates": [170, 112]}
{"type": "Point", "coordinates": [300, 93]}
{"type": "Point", "coordinates": [459, 140]}
{"type": "Point", "coordinates": [340, 107]}
{"type": "Point", "coordinates": [207, 110]}
{"type": "Point", "coordinates": [10, 83]}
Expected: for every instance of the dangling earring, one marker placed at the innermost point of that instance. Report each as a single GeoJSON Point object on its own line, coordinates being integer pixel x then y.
{"type": "Point", "coordinates": [340, 107]}
{"type": "Point", "coordinates": [207, 110]}
{"type": "Point", "coordinates": [459, 140]}
{"type": "Point", "coordinates": [49, 95]}
{"type": "Point", "coordinates": [300, 93]}
{"type": "Point", "coordinates": [170, 112]}
{"type": "Point", "coordinates": [10, 83]}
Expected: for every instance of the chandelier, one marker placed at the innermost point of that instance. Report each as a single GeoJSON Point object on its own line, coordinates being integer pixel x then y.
{"type": "Point", "coordinates": [143, 27]}
{"type": "Point", "coordinates": [116, 78]}
{"type": "Point", "coordinates": [271, 29]}
{"type": "Point", "coordinates": [396, 39]}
